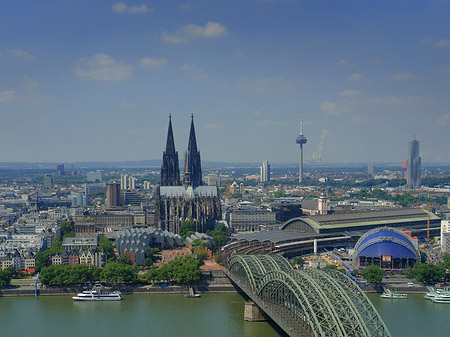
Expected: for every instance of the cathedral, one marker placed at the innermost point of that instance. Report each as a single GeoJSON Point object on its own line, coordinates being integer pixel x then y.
{"type": "Point", "coordinates": [186, 200]}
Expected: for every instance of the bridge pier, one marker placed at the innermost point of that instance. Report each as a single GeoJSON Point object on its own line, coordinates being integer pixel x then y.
{"type": "Point", "coordinates": [253, 314]}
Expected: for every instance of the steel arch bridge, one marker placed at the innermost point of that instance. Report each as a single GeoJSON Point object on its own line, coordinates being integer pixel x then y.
{"type": "Point", "coordinates": [306, 302]}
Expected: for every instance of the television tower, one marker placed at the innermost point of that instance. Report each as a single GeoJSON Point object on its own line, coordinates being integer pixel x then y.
{"type": "Point", "coordinates": [301, 139]}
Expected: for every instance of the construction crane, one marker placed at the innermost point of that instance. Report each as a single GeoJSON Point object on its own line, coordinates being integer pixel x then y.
{"type": "Point", "coordinates": [428, 220]}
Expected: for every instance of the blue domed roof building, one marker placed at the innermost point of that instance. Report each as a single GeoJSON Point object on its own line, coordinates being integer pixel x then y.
{"type": "Point", "coordinates": [386, 247]}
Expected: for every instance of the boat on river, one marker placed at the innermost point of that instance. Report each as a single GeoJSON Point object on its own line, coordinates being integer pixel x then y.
{"type": "Point", "coordinates": [441, 299]}
{"type": "Point", "coordinates": [96, 294]}
{"type": "Point", "coordinates": [388, 294]}
{"type": "Point", "coordinates": [433, 293]}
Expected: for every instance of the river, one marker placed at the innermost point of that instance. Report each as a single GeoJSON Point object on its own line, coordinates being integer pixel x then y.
{"type": "Point", "coordinates": [160, 315]}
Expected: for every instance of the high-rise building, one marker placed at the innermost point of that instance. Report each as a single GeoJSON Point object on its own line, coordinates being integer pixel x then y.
{"type": "Point", "coordinates": [265, 171]}
{"type": "Point", "coordinates": [124, 181]}
{"type": "Point", "coordinates": [301, 140]}
{"type": "Point", "coordinates": [191, 201]}
{"type": "Point", "coordinates": [60, 170]}
{"type": "Point", "coordinates": [113, 195]}
{"type": "Point", "coordinates": [132, 183]}
{"type": "Point", "coordinates": [48, 181]}
{"type": "Point", "coordinates": [96, 176]}
{"type": "Point", "coordinates": [370, 169]}
{"type": "Point", "coordinates": [414, 164]}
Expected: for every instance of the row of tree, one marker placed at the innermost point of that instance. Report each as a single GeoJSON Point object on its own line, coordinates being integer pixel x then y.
{"type": "Point", "coordinates": [64, 275]}
{"type": "Point", "coordinates": [184, 270]}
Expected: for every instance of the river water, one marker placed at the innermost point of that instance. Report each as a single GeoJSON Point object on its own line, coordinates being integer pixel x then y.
{"type": "Point", "coordinates": [160, 315]}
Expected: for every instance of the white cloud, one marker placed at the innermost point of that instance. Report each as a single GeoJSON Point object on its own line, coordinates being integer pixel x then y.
{"type": "Point", "coordinates": [211, 29]}
{"type": "Point", "coordinates": [123, 8]}
{"type": "Point", "coordinates": [354, 77]}
{"type": "Point", "coordinates": [194, 71]}
{"type": "Point", "coordinates": [328, 107]}
{"type": "Point", "coordinates": [257, 113]}
{"type": "Point", "coordinates": [7, 95]}
{"type": "Point", "coordinates": [173, 38]}
{"type": "Point", "coordinates": [426, 41]}
{"type": "Point", "coordinates": [264, 84]}
{"type": "Point", "coordinates": [344, 63]}
{"type": "Point", "coordinates": [154, 63]}
{"type": "Point", "coordinates": [444, 119]}
{"type": "Point", "coordinates": [442, 43]}
{"type": "Point", "coordinates": [102, 67]}
{"type": "Point", "coordinates": [30, 83]}
{"type": "Point", "coordinates": [20, 53]}
{"type": "Point", "coordinates": [349, 93]}
{"type": "Point", "coordinates": [402, 76]}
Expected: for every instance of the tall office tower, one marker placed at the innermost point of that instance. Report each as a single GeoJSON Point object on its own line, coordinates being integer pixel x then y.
{"type": "Point", "coordinates": [132, 183]}
{"type": "Point", "coordinates": [301, 139]}
{"type": "Point", "coordinates": [265, 171]}
{"type": "Point", "coordinates": [414, 163]}
{"type": "Point", "coordinates": [192, 165]}
{"type": "Point", "coordinates": [370, 169]}
{"type": "Point", "coordinates": [60, 170]}
{"type": "Point", "coordinates": [124, 181]}
{"type": "Point", "coordinates": [170, 171]}
{"type": "Point", "coordinates": [112, 195]}
{"type": "Point", "coordinates": [48, 181]}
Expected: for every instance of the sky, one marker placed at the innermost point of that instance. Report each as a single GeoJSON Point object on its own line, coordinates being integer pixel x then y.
{"type": "Point", "coordinates": [84, 80]}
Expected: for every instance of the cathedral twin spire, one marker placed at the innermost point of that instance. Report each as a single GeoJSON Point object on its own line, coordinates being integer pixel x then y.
{"type": "Point", "coordinates": [170, 173]}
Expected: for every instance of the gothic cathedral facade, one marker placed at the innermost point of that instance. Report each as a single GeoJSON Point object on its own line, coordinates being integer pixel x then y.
{"type": "Point", "coordinates": [188, 200]}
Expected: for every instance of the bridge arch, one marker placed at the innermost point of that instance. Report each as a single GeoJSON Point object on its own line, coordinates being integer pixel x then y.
{"type": "Point", "coordinates": [307, 302]}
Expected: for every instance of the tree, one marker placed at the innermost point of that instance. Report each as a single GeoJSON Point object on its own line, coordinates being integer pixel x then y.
{"type": "Point", "coordinates": [64, 275]}
{"type": "Point", "coordinates": [200, 252]}
{"type": "Point", "coordinates": [106, 245]}
{"type": "Point", "coordinates": [429, 273]}
{"type": "Point", "coordinates": [5, 278]}
{"type": "Point", "coordinates": [185, 228]}
{"type": "Point", "coordinates": [67, 229]}
{"type": "Point", "coordinates": [125, 259]}
{"type": "Point", "coordinates": [219, 234]}
{"type": "Point", "coordinates": [299, 261]}
{"type": "Point", "coordinates": [150, 256]}
{"type": "Point", "coordinates": [373, 274]}
{"type": "Point", "coordinates": [41, 260]}
{"type": "Point", "coordinates": [119, 272]}
{"type": "Point", "coordinates": [184, 270]}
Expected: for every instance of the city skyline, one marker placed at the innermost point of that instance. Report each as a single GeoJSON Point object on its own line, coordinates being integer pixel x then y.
{"type": "Point", "coordinates": [95, 81]}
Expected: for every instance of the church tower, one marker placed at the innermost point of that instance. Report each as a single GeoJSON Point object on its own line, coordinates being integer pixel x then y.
{"type": "Point", "coordinates": [170, 171]}
{"type": "Point", "coordinates": [192, 164]}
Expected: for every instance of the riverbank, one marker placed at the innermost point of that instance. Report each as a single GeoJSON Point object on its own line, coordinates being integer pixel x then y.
{"type": "Point", "coordinates": [214, 281]}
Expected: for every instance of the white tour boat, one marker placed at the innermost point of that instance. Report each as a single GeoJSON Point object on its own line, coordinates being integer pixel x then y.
{"type": "Point", "coordinates": [388, 294]}
{"type": "Point", "coordinates": [95, 294]}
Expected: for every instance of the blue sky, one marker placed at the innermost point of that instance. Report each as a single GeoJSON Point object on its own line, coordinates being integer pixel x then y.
{"type": "Point", "coordinates": [84, 80]}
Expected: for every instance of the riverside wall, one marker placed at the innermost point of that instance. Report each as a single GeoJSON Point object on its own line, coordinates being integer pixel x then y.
{"type": "Point", "coordinates": [214, 281]}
